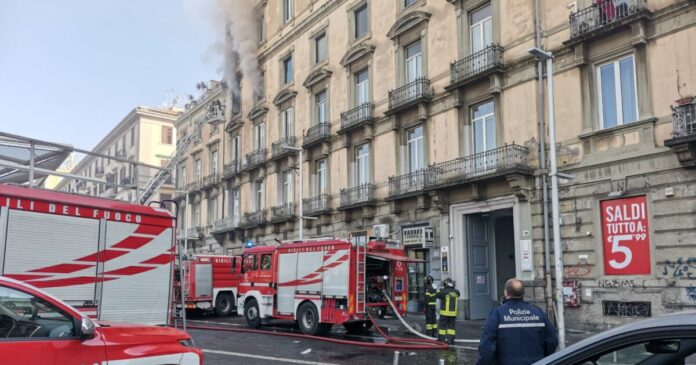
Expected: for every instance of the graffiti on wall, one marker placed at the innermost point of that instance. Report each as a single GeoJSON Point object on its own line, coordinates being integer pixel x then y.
{"type": "Point", "coordinates": [691, 293]}
{"type": "Point", "coordinates": [580, 270]}
{"type": "Point", "coordinates": [623, 283]}
{"type": "Point", "coordinates": [680, 268]}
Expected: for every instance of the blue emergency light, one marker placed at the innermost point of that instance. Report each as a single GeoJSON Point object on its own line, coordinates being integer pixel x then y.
{"type": "Point", "coordinates": [250, 244]}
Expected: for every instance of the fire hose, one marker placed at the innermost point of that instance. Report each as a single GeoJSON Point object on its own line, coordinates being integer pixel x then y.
{"type": "Point", "coordinates": [403, 321]}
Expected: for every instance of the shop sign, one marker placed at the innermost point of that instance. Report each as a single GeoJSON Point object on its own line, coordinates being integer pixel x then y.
{"type": "Point", "coordinates": [417, 236]}
{"type": "Point", "coordinates": [625, 236]}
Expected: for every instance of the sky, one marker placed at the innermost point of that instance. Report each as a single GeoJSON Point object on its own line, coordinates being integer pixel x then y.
{"type": "Point", "coordinates": [70, 70]}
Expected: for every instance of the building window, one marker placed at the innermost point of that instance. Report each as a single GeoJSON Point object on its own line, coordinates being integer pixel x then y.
{"type": "Point", "coordinates": [212, 209]}
{"type": "Point", "coordinates": [258, 195]}
{"type": "Point", "coordinates": [287, 70]}
{"type": "Point", "coordinates": [132, 137]}
{"type": "Point", "coordinates": [362, 87]}
{"type": "Point", "coordinates": [196, 214]}
{"type": "Point", "coordinates": [322, 186]}
{"type": "Point", "coordinates": [362, 164]}
{"type": "Point", "coordinates": [416, 149]}
{"type": "Point", "coordinates": [414, 61]}
{"type": "Point", "coordinates": [483, 123]}
{"type": "Point", "coordinates": [287, 10]}
{"type": "Point", "coordinates": [320, 48]}
{"type": "Point", "coordinates": [321, 107]}
{"type": "Point", "coordinates": [261, 29]}
{"type": "Point", "coordinates": [481, 29]}
{"type": "Point", "coordinates": [167, 134]}
{"type": "Point", "coordinates": [259, 136]}
{"type": "Point", "coordinates": [287, 190]}
{"type": "Point", "coordinates": [260, 89]}
{"type": "Point", "coordinates": [236, 140]}
{"type": "Point", "coordinates": [408, 3]}
{"type": "Point", "coordinates": [361, 25]}
{"type": "Point", "coordinates": [183, 178]}
{"type": "Point", "coordinates": [214, 162]}
{"type": "Point", "coordinates": [286, 123]}
{"type": "Point", "coordinates": [618, 103]}
{"type": "Point", "coordinates": [123, 143]}
{"type": "Point", "coordinates": [198, 169]}
{"type": "Point", "coordinates": [236, 102]}
{"type": "Point", "coordinates": [234, 204]}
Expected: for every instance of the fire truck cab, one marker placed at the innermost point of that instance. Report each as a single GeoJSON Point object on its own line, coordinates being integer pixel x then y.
{"type": "Point", "coordinates": [322, 283]}
{"type": "Point", "coordinates": [211, 283]}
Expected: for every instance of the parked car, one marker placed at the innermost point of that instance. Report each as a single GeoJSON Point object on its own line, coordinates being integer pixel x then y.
{"type": "Point", "coordinates": [663, 340]}
{"type": "Point", "coordinates": [37, 328]}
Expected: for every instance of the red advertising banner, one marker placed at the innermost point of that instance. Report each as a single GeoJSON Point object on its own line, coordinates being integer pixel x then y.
{"type": "Point", "coordinates": [625, 236]}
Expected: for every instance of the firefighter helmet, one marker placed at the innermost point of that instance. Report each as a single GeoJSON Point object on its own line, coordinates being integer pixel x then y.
{"type": "Point", "coordinates": [428, 279]}
{"type": "Point", "coordinates": [448, 283]}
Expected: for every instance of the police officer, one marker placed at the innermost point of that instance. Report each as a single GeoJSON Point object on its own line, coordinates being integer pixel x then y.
{"type": "Point", "coordinates": [430, 318]}
{"type": "Point", "coordinates": [516, 333]}
{"type": "Point", "coordinates": [449, 296]}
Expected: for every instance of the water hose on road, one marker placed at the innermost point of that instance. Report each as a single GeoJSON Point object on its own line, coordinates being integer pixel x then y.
{"type": "Point", "coordinates": [403, 321]}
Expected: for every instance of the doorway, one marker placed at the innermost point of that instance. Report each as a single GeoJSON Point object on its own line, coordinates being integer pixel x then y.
{"type": "Point", "coordinates": [491, 259]}
{"type": "Point", "coordinates": [416, 276]}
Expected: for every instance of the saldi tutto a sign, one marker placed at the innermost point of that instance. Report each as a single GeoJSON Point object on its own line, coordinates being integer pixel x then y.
{"type": "Point", "coordinates": [625, 236]}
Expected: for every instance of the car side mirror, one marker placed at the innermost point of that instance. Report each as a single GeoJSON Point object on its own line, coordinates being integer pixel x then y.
{"type": "Point", "coordinates": [87, 329]}
{"type": "Point", "coordinates": [662, 346]}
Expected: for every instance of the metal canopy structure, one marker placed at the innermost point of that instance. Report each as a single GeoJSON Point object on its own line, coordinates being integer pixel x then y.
{"type": "Point", "coordinates": [16, 162]}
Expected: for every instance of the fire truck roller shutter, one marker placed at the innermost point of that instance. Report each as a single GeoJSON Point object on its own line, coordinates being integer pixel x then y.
{"type": "Point", "coordinates": [143, 296]}
{"type": "Point", "coordinates": [287, 273]}
{"type": "Point", "coordinates": [40, 248]}
{"type": "Point", "coordinates": [336, 272]}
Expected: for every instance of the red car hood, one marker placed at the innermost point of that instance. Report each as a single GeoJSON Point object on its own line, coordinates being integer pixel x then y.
{"type": "Point", "coordinates": [137, 333]}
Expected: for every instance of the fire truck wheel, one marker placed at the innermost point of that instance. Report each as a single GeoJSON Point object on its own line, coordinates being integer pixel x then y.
{"type": "Point", "coordinates": [308, 318]}
{"type": "Point", "coordinates": [223, 305]}
{"type": "Point", "coordinates": [251, 313]}
{"type": "Point", "coordinates": [357, 327]}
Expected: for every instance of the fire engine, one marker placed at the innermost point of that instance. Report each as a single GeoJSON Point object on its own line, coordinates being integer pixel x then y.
{"type": "Point", "coordinates": [111, 259]}
{"type": "Point", "coordinates": [211, 283]}
{"type": "Point", "coordinates": [322, 283]}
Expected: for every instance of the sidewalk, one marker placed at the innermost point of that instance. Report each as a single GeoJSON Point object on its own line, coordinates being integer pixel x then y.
{"type": "Point", "coordinates": [467, 331]}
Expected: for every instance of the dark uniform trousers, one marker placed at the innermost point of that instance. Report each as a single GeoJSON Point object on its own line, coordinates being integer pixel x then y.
{"type": "Point", "coordinates": [448, 314]}
{"type": "Point", "coordinates": [430, 310]}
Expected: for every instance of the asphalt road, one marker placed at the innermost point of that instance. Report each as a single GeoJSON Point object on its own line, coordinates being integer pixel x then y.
{"type": "Point", "coordinates": [225, 347]}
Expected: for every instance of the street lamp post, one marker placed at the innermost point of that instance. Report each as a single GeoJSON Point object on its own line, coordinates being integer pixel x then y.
{"type": "Point", "coordinates": [182, 253]}
{"type": "Point", "coordinates": [558, 256]}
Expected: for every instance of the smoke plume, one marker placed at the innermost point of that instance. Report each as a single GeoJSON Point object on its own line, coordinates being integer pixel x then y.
{"type": "Point", "coordinates": [240, 42]}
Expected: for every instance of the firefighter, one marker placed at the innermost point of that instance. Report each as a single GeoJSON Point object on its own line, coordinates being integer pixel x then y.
{"type": "Point", "coordinates": [449, 296]}
{"type": "Point", "coordinates": [430, 318]}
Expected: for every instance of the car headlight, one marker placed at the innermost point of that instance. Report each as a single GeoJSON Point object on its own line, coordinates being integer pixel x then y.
{"type": "Point", "coordinates": [187, 342]}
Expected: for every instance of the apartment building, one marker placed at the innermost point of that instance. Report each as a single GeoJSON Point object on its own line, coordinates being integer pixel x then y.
{"type": "Point", "coordinates": [420, 120]}
{"type": "Point", "coordinates": [146, 135]}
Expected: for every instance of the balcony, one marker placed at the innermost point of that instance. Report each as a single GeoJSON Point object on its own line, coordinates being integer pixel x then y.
{"type": "Point", "coordinates": [357, 117]}
{"type": "Point", "coordinates": [254, 219]}
{"type": "Point", "coordinates": [412, 183]}
{"type": "Point", "coordinates": [278, 149]}
{"type": "Point", "coordinates": [318, 205]}
{"type": "Point", "coordinates": [121, 153]}
{"type": "Point", "coordinates": [683, 140]}
{"type": "Point", "coordinates": [210, 180]}
{"type": "Point", "coordinates": [604, 17]}
{"type": "Point", "coordinates": [255, 159]}
{"type": "Point", "coordinates": [128, 180]}
{"type": "Point", "coordinates": [283, 213]}
{"type": "Point", "coordinates": [231, 169]}
{"type": "Point", "coordinates": [99, 172]}
{"type": "Point", "coordinates": [476, 66]}
{"type": "Point", "coordinates": [194, 186]}
{"type": "Point", "coordinates": [358, 196]}
{"type": "Point", "coordinates": [195, 233]}
{"type": "Point", "coordinates": [417, 91]}
{"type": "Point", "coordinates": [215, 114]}
{"type": "Point", "coordinates": [225, 225]}
{"type": "Point", "coordinates": [317, 134]}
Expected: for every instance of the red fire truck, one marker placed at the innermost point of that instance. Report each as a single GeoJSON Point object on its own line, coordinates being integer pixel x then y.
{"type": "Point", "coordinates": [211, 283]}
{"type": "Point", "coordinates": [322, 283]}
{"type": "Point", "coordinates": [111, 259]}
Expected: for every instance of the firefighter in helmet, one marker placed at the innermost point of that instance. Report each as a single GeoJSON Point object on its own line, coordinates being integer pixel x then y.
{"type": "Point", "coordinates": [430, 318]}
{"type": "Point", "coordinates": [449, 296]}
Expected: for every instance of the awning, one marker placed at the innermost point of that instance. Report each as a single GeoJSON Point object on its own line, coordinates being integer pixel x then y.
{"type": "Point", "coordinates": [386, 256]}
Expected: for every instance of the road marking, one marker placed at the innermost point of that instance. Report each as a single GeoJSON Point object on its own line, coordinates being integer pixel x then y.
{"type": "Point", "coordinates": [468, 341]}
{"type": "Point", "coordinates": [212, 322]}
{"type": "Point", "coordinates": [464, 347]}
{"type": "Point", "coordinates": [271, 358]}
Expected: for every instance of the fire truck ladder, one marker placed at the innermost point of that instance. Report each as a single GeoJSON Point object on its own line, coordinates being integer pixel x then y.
{"type": "Point", "coordinates": [162, 175]}
{"type": "Point", "coordinates": [360, 266]}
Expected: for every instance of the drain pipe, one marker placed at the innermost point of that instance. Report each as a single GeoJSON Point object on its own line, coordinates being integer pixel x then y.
{"type": "Point", "coordinates": [542, 159]}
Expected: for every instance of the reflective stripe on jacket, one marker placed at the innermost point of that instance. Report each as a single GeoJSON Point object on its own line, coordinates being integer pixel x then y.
{"type": "Point", "coordinates": [449, 298]}
{"type": "Point", "coordinates": [430, 293]}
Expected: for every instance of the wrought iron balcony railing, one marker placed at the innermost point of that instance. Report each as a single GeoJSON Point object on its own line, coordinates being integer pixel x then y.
{"type": "Point", "coordinates": [232, 168]}
{"type": "Point", "coordinates": [211, 180]}
{"type": "Point", "coordinates": [127, 180]}
{"type": "Point", "coordinates": [320, 204]}
{"type": "Point", "coordinates": [283, 212]}
{"type": "Point", "coordinates": [684, 119]}
{"type": "Point", "coordinates": [316, 134]}
{"type": "Point", "coordinates": [215, 113]}
{"type": "Point", "coordinates": [254, 219]}
{"type": "Point", "coordinates": [412, 182]}
{"type": "Point", "coordinates": [99, 172]}
{"type": "Point", "coordinates": [414, 92]}
{"type": "Point", "coordinates": [360, 195]}
{"type": "Point", "coordinates": [604, 14]}
{"type": "Point", "coordinates": [278, 147]}
{"type": "Point", "coordinates": [194, 185]}
{"type": "Point", "coordinates": [358, 116]}
{"type": "Point", "coordinates": [255, 158]}
{"type": "Point", "coordinates": [121, 153]}
{"type": "Point", "coordinates": [226, 224]}
{"type": "Point", "coordinates": [195, 233]}
{"type": "Point", "coordinates": [477, 64]}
